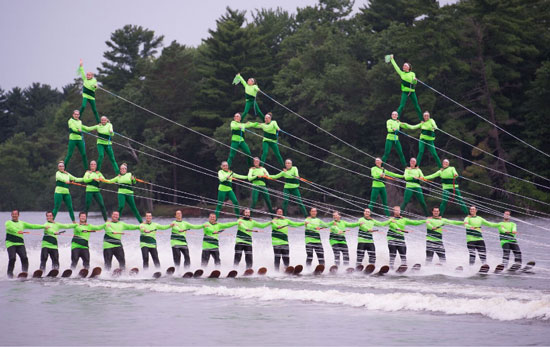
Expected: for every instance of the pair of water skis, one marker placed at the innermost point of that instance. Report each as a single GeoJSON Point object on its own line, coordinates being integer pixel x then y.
{"type": "Point", "coordinates": [96, 271]}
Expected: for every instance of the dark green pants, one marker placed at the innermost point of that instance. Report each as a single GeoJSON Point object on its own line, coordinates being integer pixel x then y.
{"type": "Point", "coordinates": [126, 198]}
{"type": "Point", "coordinates": [417, 192]}
{"type": "Point", "coordinates": [298, 198]}
{"type": "Point", "coordinates": [458, 196]}
{"type": "Point", "coordinates": [58, 199]}
{"type": "Point", "coordinates": [94, 110]}
{"type": "Point", "coordinates": [398, 148]}
{"type": "Point", "coordinates": [244, 148]}
{"type": "Point", "coordinates": [430, 144]}
{"type": "Point", "coordinates": [251, 103]}
{"type": "Point", "coordinates": [275, 148]}
{"type": "Point", "coordinates": [81, 148]}
{"type": "Point", "coordinates": [404, 97]}
{"type": "Point", "coordinates": [222, 196]}
{"type": "Point", "coordinates": [99, 199]}
{"type": "Point", "coordinates": [256, 190]}
{"type": "Point", "coordinates": [101, 149]}
{"type": "Point", "coordinates": [375, 192]}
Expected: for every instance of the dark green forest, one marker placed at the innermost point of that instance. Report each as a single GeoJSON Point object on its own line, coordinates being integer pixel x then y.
{"type": "Point", "coordinates": [326, 63]}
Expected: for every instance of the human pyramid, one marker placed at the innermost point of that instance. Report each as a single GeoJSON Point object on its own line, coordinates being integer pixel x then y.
{"type": "Point", "coordinates": [257, 177]}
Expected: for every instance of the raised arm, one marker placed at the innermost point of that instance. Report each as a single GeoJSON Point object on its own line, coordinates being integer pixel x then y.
{"type": "Point", "coordinates": [397, 69]}
{"type": "Point", "coordinates": [241, 79]}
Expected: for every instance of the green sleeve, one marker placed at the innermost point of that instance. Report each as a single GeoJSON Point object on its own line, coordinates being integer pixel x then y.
{"type": "Point", "coordinates": [112, 180]}
{"type": "Point", "coordinates": [75, 179]}
{"type": "Point", "coordinates": [67, 226]}
{"type": "Point", "coordinates": [295, 224]}
{"type": "Point", "coordinates": [87, 128]}
{"type": "Point", "coordinates": [82, 73]}
{"type": "Point", "coordinates": [228, 224]}
{"type": "Point", "coordinates": [391, 174]}
{"type": "Point", "coordinates": [250, 176]}
{"type": "Point", "coordinates": [243, 82]}
{"type": "Point", "coordinates": [397, 69]}
{"type": "Point", "coordinates": [412, 127]}
{"type": "Point", "coordinates": [130, 226]}
{"type": "Point", "coordinates": [489, 224]}
{"type": "Point", "coordinates": [242, 177]}
{"type": "Point", "coordinates": [279, 175]}
{"type": "Point", "coordinates": [95, 227]}
{"type": "Point", "coordinates": [72, 125]}
{"type": "Point", "coordinates": [434, 175]}
{"type": "Point", "coordinates": [415, 222]}
{"type": "Point", "coordinates": [381, 224]}
{"type": "Point", "coordinates": [251, 125]}
{"type": "Point", "coordinates": [452, 222]}
{"type": "Point", "coordinates": [163, 227]}
{"type": "Point", "coordinates": [324, 224]}
{"type": "Point", "coordinates": [32, 226]}
{"type": "Point", "coordinates": [193, 226]}
{"type": "Point", "coordinates": [351, 225]}
{"type": "Point", "coordinates": [389, 127]}
{"type": "Point", "coordinates": [262, 225]}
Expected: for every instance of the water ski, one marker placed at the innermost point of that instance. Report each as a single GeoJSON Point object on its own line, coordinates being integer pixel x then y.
{"type": "Point", "coordinates": [215, 274]}
{"type": "Point", "coordinates": [350, 270]}
{"type": "Point", "coordinates": [170, 271]}
{"type": "Point", "coordinates": [401, 269]}
{"type": "Point", "coordinates": [232, 274]}
{"type": "Point", "coordinates": [459, 269]}
{"type": "Point", "coordinates": [83, 273]}
{"type": "Point", "coordinates": [22, 275]}
{"type": "Point", "coordinates": [297, 270]}
{"type": "Point", "coordinates": [248, 272]}
{"type": "Point", "coordinates": [67, 273]}
{"type": "Point", "coordinates": [262, 271]}
{"type": "Point", "coordinates": [198, 273]}
{"type": "Point", "coordinates": [134, 271]}
{"type": "Point", "coordinates": [416, 267]}
{"type": "Point", "coordinates": [37, 274]}
{"type": "Point", "coordinates": [53, 273]}
{"type": "Point", "coordinates": [319, 269]}
{"type": "Point", "coordinates": [289, 270]}
{"type": "Point", "coordinates": [157, 274]}
{"type": "Point", "coordinates": [333, 269]}
{"type": "Point", "coordinates": [527, 268]}
{"type": "Point", "coordinates": [359, 268]}
{"type": "Point", "coordinates": [499, 268]}
{"type": "Point", "coordinates": [369, 269]}
{"type": "Point", "coordinates": [96, 271]}
{"type": "Point", "coordinates": [188, 274]}
{"type": "Point", "coordinates": [383, 270]}
{"type": "Point", "coordinates": [117, 272]}
{"type": "Point", "coordinates": [484, 269]}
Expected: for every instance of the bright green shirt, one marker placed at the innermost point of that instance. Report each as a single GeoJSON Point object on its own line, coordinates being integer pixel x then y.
{"type": "Point", "coordinates": [226, 180]}
{"type": "Point", "coordinates": [211, 232]}
{"type": "Point", "coordinates": [434, 231]}
{"type": "Point", "coordinates": [49, 240]}
{"type": "Point", "coordinates": [177, 238]}
{"type": "Point", "coordinates": [81, 235]}
{"type": "Point", "coordinates": [13, 238]}
{"type": "Point", "coordinates": [254, 173]}
{"type": "Point", "coordinates": [246, 228]}
{"type": "Point", "coordinates": [125, 183]}
{"type": "Point", "coordinates": [473, 227]}
{"type": "Point", "coordinates": [448, 177]}
{"type": "Point", "coordinates": [279, 230]}
{"type": "Point", "coordinates": [338, 231]}
{"type": "Point", "coordinates": [292, 178]}
{"type": "Point", "coordinates": [396, 230]}
{"type": "Point", "coordinates": [75, 129]}
{"type": "Point", "coordinates": [270, 131]}
{"type": "Point", "coordinates": [89, 178]}
{"type": "Point", "coordinates": [61, 179]}
{"type": "Point", "coordinates": [237, 130]}
{"type": "Point", "coordinates": [104, 133]}
{"type": "Point", "coordinates": [393, 127]}
{"type": "Point", "coordinates": [365, 229]}
{"type": "Point", "coordinates": [410, 175]}
{"type": "Point", "coordinates": [250, 90]}
{"type": "Point", "coordinates": [113, 233]}
{"type": "Point", "coordinates": [89, 86]}
{"type": "Point", "coordinates": [408, 82]}
{"type": "Point", "coordinates": [378, 180]}
{"type": "Point", "coordinates": [507, 232]}
{"type": "Point", "coordinates": [312, 234]}
{"type": "Point", "coordinates": [428, 130]}
{"type": "Point", "coordinates": [148, 233]}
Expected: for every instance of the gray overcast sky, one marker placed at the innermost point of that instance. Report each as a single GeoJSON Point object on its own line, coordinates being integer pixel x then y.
{"type": "Point", "coordinates": [43, 40]}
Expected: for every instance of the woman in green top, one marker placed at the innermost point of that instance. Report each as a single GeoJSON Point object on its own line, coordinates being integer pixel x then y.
{"type": "Point", "coordinates": [126, 181]}
{"type": "Point", "coordinates": [76, 140]}
{"type": "Point", "coordinates": [257, 176]}
{"type": "Point", "coordinates": [15, 244]}
{"type": "Point", "coordinates": [237, 139]}
{"type": "Point", "coordinates": [89, 86]}
{"type": "Point", "coordinates": [413, 176]}
{"type": "Point", "coordinates": [337, 237]}
{"type": "Point", "coordinates": [104, 134]}
{"type": "Point", "coordinates": [271, 138]}
{"type": "Point", "coordinates": [427, 138]}
{"type": "Point", "coordinates": [508, 241]}
{"type": "Point", "coordinates": [80, 248]}
{"type": "Point", "coordinates": [292, 182]}
{"type": "Point", "coordinates": [408, 83]}
{"type": "Point", "coordinates": [449, 182]}
{"type": "Point", "coordinates": [313, 237]}
{"type": "Point", "coordinates": [62, 194]}
{"type": "Point", "coordinates": [49, 241]}
{"type": "Point", "coordinates": [92, 178]}
{"type": "Point", "coordinates": [178, 239]}
{"type": "Point", "coordinates": [251, 89]}
{"type": "Point", "coordinates": [378, 173]}
{"type": "Point", "coordinates": [243, 240]}
{"type": "Point", "coordinates": [279, 238]}
{"type": "Point", "coordinates": [393, 126]}
{"type": "Point", "coordinates": [225, 188]}
{"type": "Point", "coordinates": [365, 241]}
{"type": "Point", "coordinates": [474, 237]}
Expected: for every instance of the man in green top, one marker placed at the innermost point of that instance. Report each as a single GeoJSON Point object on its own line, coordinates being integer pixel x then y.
{"type": "Point", "coordinates": [508, 231]}
{"type": "Point", "coordinates": [178, 240]}
{"type": "Point", "coordinates": [62, 194]}
{"type": "Point", "coordinates": [92, 178]}
{"type": "Point", "coordinates": [15, 244]}
{"type": "Point", "coordinates": [225, 188]}
{"type": "Point", "coordinates": [251, 89]}
{"type": "Point", "coordinates": [413, 176]}
{"type": "Point", "coordinates": [292, 183]}
{"type": "Point", "coordinates": [148, 241]}
{"type": "Point", "coordinates": [393, 125]}
{"type": "Point", "coordinates": [76, 140]}
{"type": "Point", "coordinates": [474, 238]}
{"type": "Point", "coordinates": [427, 138]}
{"type": "Point", "coordinates": [237, 139]}
{"type": "Point", "coordinates": [408, 84]}
{"type": "Point", "coordinates": [396, 235]}
{"type": "Point", "coordinates": [257, 176]}
{"type": "Point", "coordinates": [449, 178]}
{"type": "Point", "coordinates": [126, 181]}
{"type": "Point", "coordinates": [337, 238]}
{"type": "Point", "coordinates": [313, 237]}
{"type": "Point", "coordinates": [434, 235]}
{"type": "Point", "coordinates": [271, 138]}
{"type": "Point", "coordinates": [104, 134]}
{"type": "Point", "coordinates": [243, 241]}
{"type": "Point", "coordinates": [112, 241]}
{"type": "Point", "coordinates": [89, 86]}
{"type": "Point", "coordinates": [210, 242]}
{"type": "Point", "coordinates": [365, 242]}
{"type": "Point", "coordinates": [49, 241]}
{"type": "Point", "coordinates": [378, 174]}
{"type": "Point", "coordinates": [80, 248]}
{"type": "Point", "coordinates": [279, 238]}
